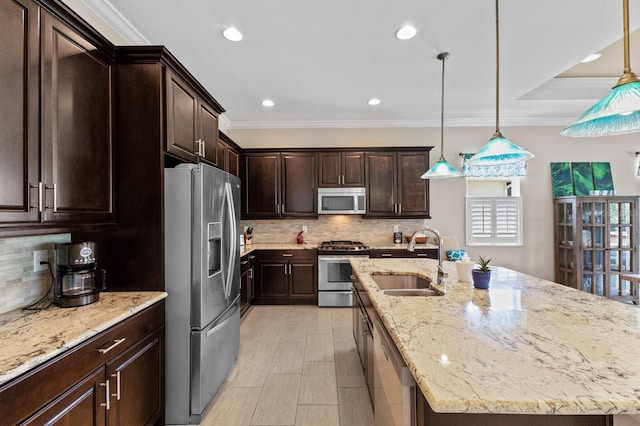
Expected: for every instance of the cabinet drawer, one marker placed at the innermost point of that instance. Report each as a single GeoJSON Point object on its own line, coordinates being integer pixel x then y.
{"type": "Point", "coordinates": [286, 255]}
{"type": "Point", "coordinates": [54, 377]}
{"type": "Point", "coordinates": [426, 253]}
{"type": "Point", "coordinates": [378, 253]}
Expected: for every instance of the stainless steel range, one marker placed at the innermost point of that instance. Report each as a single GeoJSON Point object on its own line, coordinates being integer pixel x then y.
{"type": "Point", "coordinates": [334, 271]}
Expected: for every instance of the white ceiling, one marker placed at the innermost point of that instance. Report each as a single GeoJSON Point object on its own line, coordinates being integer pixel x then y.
{"type": "Point", "coordinates": [320, 61]}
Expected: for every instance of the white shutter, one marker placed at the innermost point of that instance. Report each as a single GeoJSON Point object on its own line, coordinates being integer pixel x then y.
{"type": "Point", "coordinates": [494, 221]}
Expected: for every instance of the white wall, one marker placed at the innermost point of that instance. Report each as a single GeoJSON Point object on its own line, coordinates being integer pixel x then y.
{"type": "Point", "coordinates": [447, 196]}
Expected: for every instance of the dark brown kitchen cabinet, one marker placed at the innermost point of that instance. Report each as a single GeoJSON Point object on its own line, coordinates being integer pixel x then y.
{"type": "Point", "coordinates": [56, 160]}
{"type": "Point", "coordinates": [286, 277]}
{"type": "Point", "coordinates": [363, 332]}
{"type": "Point", "coordinates": [340, 168]}
{"type": "Point", "coordinates": [114, 378]}
{"type": "Point", "coordinates": [394, 186]}
{"type": "Point", "coordinates": [227, 155]}
{"type": "Point", "coordinates": [279, 184]}
{"type": "Point", "coordinates": [423, 252]}
{"type": "Point", "coordinates": [192, 124]}
{"type": "Point", "coordinates": [246, 282]}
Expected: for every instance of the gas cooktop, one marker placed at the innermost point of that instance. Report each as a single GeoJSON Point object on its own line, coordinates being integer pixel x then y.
{"type": "Point", "coordinates": [342, 245]}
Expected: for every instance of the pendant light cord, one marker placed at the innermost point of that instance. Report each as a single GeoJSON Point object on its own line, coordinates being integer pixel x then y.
{"type": "Point", "coordinates": [442, 57]}
{"type": "Point", "coordinates": [625, 30]}
{"type": "Point", "coordinates": [498, 74]}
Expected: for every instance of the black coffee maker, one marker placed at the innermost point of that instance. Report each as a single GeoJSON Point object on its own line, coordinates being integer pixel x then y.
{"type": "Point", "coordinates": [79, 280]}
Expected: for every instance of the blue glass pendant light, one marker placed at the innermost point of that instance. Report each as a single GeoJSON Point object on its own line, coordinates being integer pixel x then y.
{"type": "Point", "coordinates": [442, 169]}
{"type": "Point", "coordinates": [499, 150]}
{"type": "Point", "coordinates": [618, 112]}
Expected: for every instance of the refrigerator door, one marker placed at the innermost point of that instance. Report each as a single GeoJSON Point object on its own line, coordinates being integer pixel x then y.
{"type": "Point", "coordinates": [212, 249]}
{"type": "Point", "coordinates": [235, 229]}
{"type": "Point", "coordinates": [213, 353]}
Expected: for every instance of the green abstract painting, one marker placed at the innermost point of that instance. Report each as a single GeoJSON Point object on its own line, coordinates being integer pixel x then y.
{"type": "Point", "coordinates": [602, 178]}
{"type": "Point", "coordinates": [582, 178]}
{"type": "Point", "coordinates": [561, 182]}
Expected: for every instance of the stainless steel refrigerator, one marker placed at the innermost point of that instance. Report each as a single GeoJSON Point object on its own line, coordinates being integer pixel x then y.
{"type": "Point", "coordinates": [202, 277]}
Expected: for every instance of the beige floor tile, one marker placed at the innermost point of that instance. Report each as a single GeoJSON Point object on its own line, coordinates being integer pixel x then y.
{"type": "Point", "coordinates": [341, 317]}
{"type": "Point", "coordinates": [321, 322]}
{"type": "Point", "coordinates": [278, 400]}
{"type": "Point", "coordinates": [349, 372]}
{"type": "Point", "coordinates": [266, 338]}
{"type": "Point", "coordinates": [343, 339]}
{"type": "Point", "coordinates": [319, 347]}
{"type": "Point", "coordinates": [355, 407]}
{"type": "Point", "coordinates": [318, 415]}
{"type": "Point", "coordinates": [251, 369]}
{"type": "Point", "coordinates": [289, 357]}
{"type": "Point", "coordinates": [232, 407]}
{"type": "Point", "coordinates": [318, 384]}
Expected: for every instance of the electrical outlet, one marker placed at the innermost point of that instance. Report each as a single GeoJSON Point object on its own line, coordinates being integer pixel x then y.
{"type": "Point", "coordinates": [40, 256]}
{"type": "Point", "coordinates": [304, 228]}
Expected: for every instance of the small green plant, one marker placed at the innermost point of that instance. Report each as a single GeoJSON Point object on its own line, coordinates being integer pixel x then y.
{"type": "Point", "coordinates": [484, 264]}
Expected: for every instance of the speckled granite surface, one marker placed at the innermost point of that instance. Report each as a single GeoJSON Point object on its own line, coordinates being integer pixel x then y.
{"type": "Point", "coordinates": [27, 339]}
{"type": "Point", "coordinates": [525, 346]}
{"type": "Point", "coordinates": [246, 249]}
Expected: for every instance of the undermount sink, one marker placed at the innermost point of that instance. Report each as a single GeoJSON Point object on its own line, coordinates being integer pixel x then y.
{"type": "Point", "coordinates": [404, 285]}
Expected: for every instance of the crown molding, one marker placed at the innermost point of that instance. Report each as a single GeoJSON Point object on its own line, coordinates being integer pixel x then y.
{"type": "Point", "coordinates": [108, 13]}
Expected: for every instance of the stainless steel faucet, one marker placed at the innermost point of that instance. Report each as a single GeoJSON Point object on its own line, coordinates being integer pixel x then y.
{"type": "Point", "coordinates": [412, 245]}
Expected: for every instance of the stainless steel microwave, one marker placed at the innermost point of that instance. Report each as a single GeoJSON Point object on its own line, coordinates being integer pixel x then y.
{"type": "Point", "coordinates": [341, 200]}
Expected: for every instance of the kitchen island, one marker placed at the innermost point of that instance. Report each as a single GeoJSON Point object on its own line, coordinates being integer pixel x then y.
{"type": "Point", "coordinates": [524, 347]}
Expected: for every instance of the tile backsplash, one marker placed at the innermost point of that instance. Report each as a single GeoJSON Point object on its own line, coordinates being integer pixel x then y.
{"type": "Point", "coordinates": [331, 227]}
{"type": "Point", "coordinates": [19, 285]}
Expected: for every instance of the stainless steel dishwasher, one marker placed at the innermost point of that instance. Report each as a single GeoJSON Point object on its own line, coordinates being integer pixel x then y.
{"type": "Point", "coordinates": [394, 386]}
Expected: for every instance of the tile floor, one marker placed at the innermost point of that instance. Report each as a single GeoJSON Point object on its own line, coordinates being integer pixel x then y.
{"type": "Point", "coordinates": [298, 365]}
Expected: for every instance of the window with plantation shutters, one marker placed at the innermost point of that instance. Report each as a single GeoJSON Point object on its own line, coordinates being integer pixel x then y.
{"type": "Point", "coordinates": [495, 221]}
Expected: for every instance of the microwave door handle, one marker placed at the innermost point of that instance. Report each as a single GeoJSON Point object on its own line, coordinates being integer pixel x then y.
{"type": "Point", "coordinates": [232, 244]}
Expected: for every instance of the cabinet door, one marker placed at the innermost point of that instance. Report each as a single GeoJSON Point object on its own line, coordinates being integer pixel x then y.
{"type": "Point", "coordinates": [80, 405]}
{"type": "Point", "coordinates": [135, 382]}
{"type": "Point", "coordinates": [208, 133]}
{"type": "Point", "coordinates": [261, 185]}
{"type": "Point", "coordinates": [299, 197]}
{"type": "Point", "coordinates": [303, 279]}
{"type": "Point", "coordinates": [380, 168]}
{"type": "Point", "coordinates": [233, 162]}
{"type": "Point", "coordinates": [329, 170]}
{"type": "Point", "coordinates": [413, 192]}
{"type": "Point", "coordinates": [353, 169]}
{"type": "Point", "coordinates": [77, 126]}
{"type": "Point", "coordinates": [182, 107]}
{"type": "Point", "coordinates": [244, 284]}
{"type": "Point", "coordinates": [19, 111]}
{"type": "Point", "coordinates": [221, 155]}
{"type": "Point", "coordinates": [272, 285]}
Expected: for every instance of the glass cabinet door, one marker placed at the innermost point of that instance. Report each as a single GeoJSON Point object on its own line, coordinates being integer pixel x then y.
{"type": "Point", "coordinates": [594, 246]}
{"type": "Point", "coordinates": [620, 233]}
{"type": "Point", "coordinates": [564, 241]}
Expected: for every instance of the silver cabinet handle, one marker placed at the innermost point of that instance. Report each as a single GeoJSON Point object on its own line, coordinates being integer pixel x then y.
{"type": "Point", "coordinates": [117, 394]}
{"type": "Point", "coordinates": [40, 205]}
{"type": "Point", "coordinates": [289, 269]}
{"type": "Point", "coordinates": [386, 255]}
{"type": "Point", "coordinates": [282, 210]}
{"type": "Point", "coordinates": [278, 209]}
{"type": "Point", "coordinates": [106, 395]}
{"type": "Point", "coordinates": [399, 208]}
{"type": "Point", "coordinates": [287, 255]}
{"type": "Point", "coordinates": [115, 343]}
{"type": "Point", "coordinates": [422, 255]}
{"type": "Point", "coordinates": [204, 148]}
{"type": "Point", "coordinates": [285, 269]}
{"type": "Point", "coordinates": [55, 196]}
{"type": "Point", "coordinates": [250, 275]}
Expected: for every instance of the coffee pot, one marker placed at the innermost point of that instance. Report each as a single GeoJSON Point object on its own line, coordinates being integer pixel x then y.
{"type": "Point", "coordinates": [79, 280]}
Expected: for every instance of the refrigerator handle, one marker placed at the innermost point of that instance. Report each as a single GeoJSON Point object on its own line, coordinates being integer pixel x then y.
{"type": "Point", "coordinates": [232, 236]}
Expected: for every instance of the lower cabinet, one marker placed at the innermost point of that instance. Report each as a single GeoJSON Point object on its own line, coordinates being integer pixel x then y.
{"type": "Point", "coordinates": [363, 332]}
{"type": "Point", "coordinates": [114, 378]}
{"type": "Point", "coordinates": [246, 282]}
{"type": "Point", "coordinates": [286, 277]}
{"type": "Point", "coordinates": [424, 252]}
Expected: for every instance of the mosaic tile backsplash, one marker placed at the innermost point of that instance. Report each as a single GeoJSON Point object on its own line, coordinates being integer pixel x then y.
{"type": "Point", "coordinates": [19, 285]}
{"type": "Point", "coordinates": [331, 227]}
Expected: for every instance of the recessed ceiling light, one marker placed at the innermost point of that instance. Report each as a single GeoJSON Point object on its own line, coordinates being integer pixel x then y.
{"type": "Point", "coordinates": [232, 34]}
{"type": "Point", "coordinates": [374, 101]}
{"type": "Point", "coordinates": [267, 103]}
{"type": "Point", "coordinates": [406, 32]}
{"type": "Point", "coordinates": [591, 58]}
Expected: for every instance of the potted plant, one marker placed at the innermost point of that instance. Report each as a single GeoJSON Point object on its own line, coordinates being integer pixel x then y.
{"type": "Point", "coordinates": [482, 274]}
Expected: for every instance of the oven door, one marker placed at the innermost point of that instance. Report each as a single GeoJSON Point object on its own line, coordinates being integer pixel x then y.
{"type": "Point", "coordinates": [334, 273]}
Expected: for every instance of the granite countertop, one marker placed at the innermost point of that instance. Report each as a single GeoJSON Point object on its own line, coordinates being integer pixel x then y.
{"type": "Point", "coordinates": [29, 338]}
{"type": "Point", "coordinates": [525, 346]}
{"type": "Point", "coordinates": [246, 249]}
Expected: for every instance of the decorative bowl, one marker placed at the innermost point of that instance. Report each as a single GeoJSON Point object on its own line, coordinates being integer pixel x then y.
{"type": "Point", "coordinates": [419, 240]}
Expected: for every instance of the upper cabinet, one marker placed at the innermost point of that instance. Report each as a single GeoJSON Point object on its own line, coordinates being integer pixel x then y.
{"type": "Point", "coordinates": [279, 184]}
{"type": "Point", "coordinates": [56, 161]}
{"type": "Point", "coordinates": [192, 123]}
{"type": "Point", "coordinates": [340, 169]}
{"type": "Point", "coordinates": [394, 186]}
{"type": "Point", "coordinates": [228, 154]}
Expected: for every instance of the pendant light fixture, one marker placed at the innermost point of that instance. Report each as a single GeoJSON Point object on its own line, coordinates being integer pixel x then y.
{"type": "Point", "coordinates": [618, 112]}
{"type": "Point", "coordinates": [499, 150]}
{"type": "Point", "coordinates": [442, 169]}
